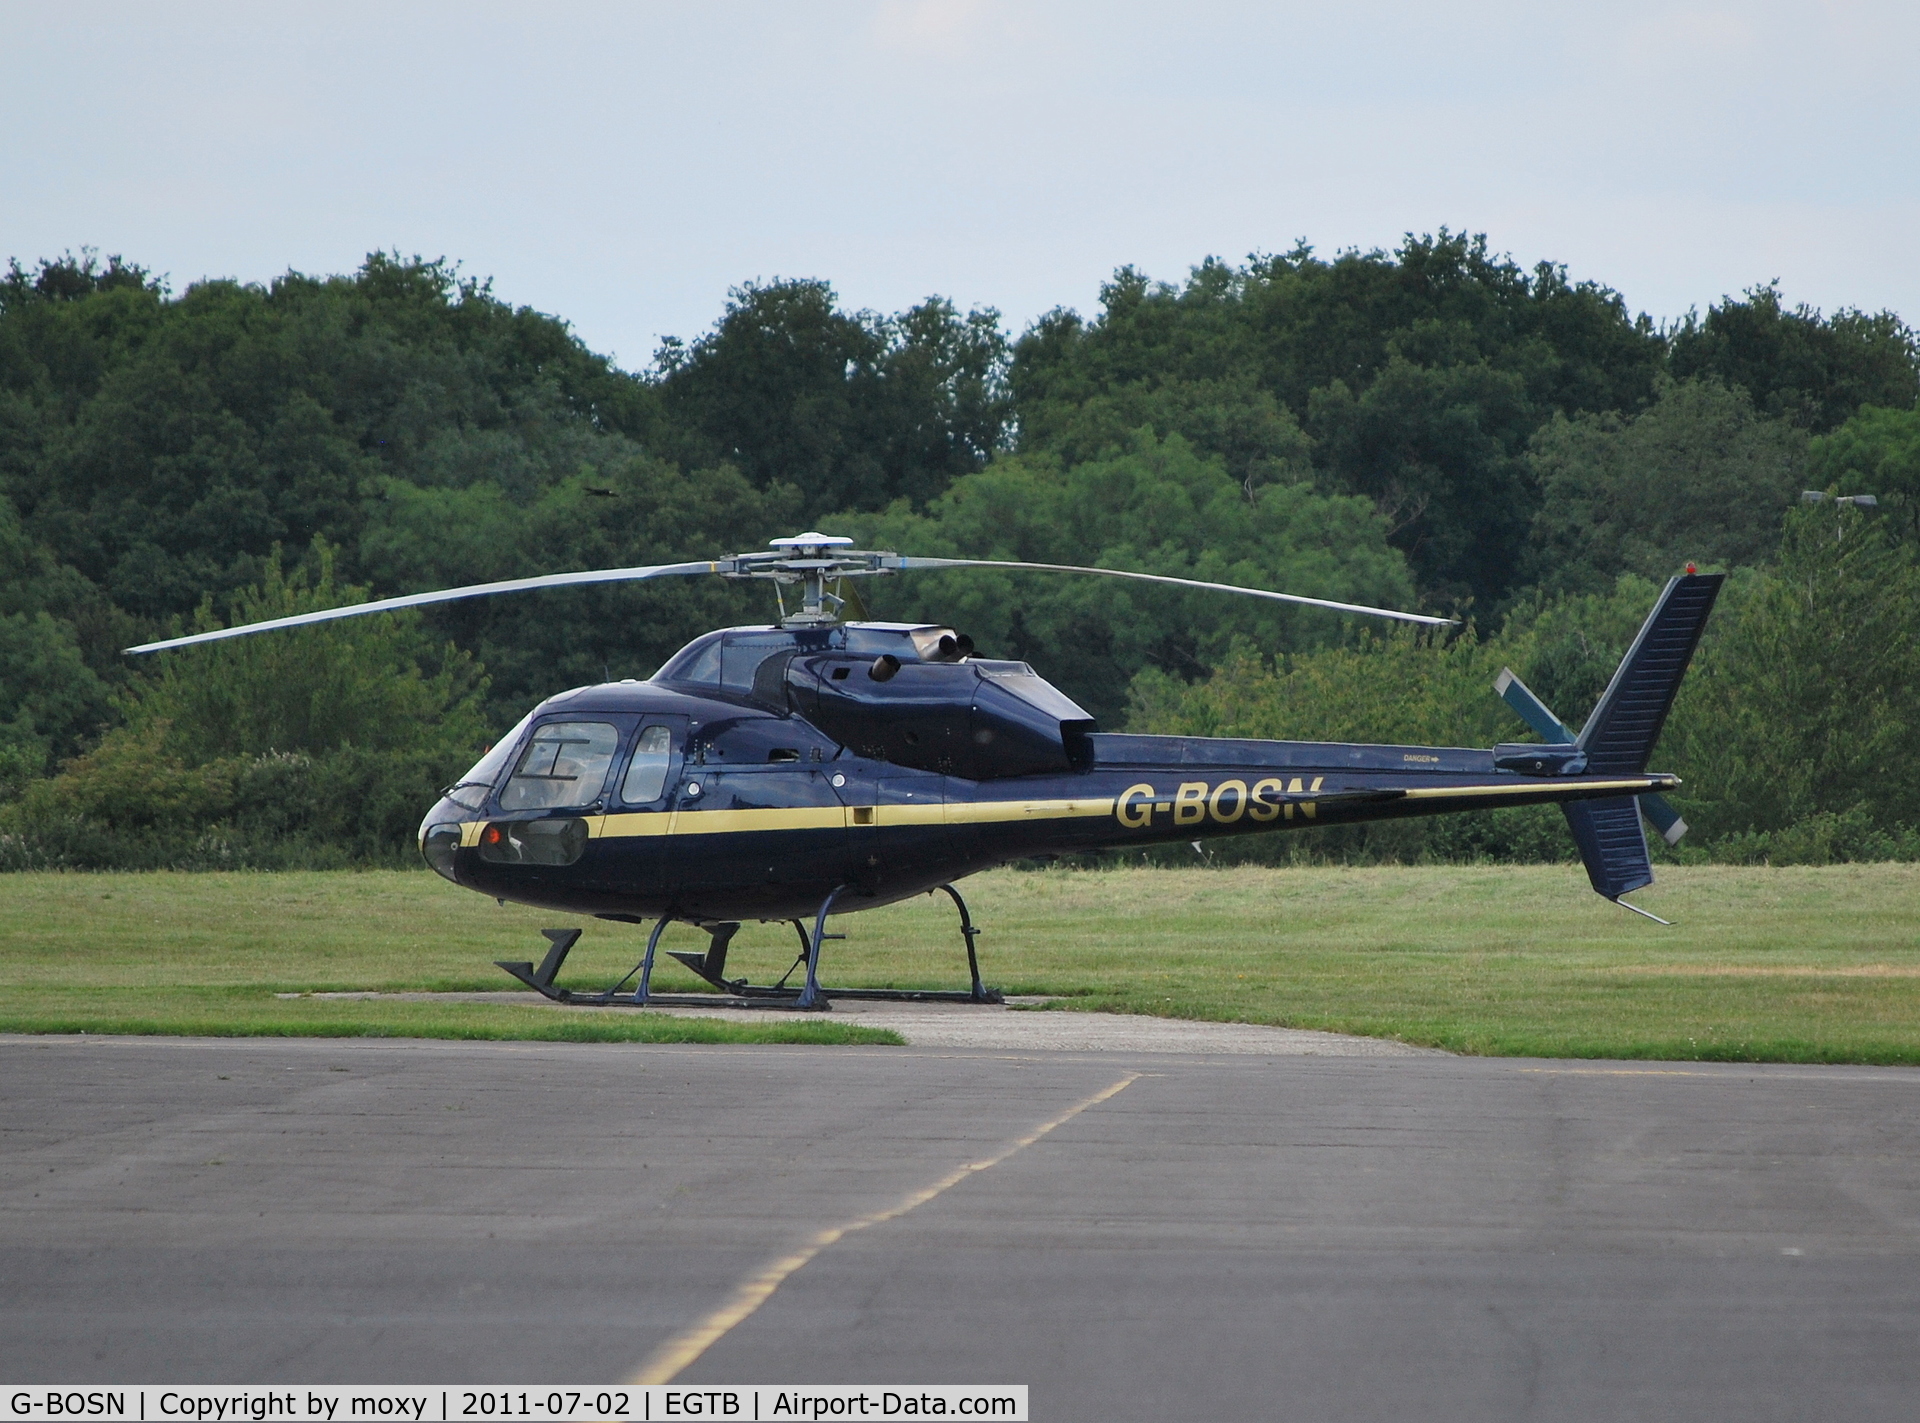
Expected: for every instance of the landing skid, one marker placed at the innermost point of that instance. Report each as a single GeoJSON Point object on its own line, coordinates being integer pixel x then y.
{"type": "Point", "coordinates": [737, 992]}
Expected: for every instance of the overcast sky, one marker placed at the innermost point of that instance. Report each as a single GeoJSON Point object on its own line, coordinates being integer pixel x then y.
{"type": "Point", "coordinates": [622, 165]}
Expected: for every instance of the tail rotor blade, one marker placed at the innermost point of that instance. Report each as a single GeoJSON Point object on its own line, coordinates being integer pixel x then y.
{"type": "Point", "coordinates": [1664, 817]}
{"type": "Point", "coordinates": [1534, 712]}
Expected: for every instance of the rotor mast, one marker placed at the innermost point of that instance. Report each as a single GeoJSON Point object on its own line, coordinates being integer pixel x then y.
{"type": "Point", "coordinates": [808, 560]}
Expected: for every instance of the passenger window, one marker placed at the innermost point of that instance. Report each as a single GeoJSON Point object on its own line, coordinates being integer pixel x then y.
{"type": "Point", "coordinates": [564, 765]}
{"type": "Point", "coordinates": [745, 652]}
{"type": "Point", "coordinates": [704, 667]}
{"type": "Point", "coordinates": [647, 771]}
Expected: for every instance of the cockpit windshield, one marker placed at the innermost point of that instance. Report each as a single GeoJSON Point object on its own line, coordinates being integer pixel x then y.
{"type": "Point", "coordinates": [472, 789]}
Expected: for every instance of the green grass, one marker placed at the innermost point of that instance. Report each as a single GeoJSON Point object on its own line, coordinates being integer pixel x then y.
{"type": "Point", "coordinates": [1801, 964]}
{"type": "Point", "coordinates": [207, 954]}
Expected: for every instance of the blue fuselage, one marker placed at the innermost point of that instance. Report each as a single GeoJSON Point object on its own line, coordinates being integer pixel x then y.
{"type": "Point", "coordinates": [704, 804]}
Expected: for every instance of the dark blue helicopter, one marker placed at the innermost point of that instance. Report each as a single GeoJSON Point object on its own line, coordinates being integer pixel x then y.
{"type": "Point", "coordinates": [818, 765]}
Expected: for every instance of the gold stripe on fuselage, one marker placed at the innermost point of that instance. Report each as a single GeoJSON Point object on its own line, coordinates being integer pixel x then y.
{"type": "Point", "coordinates": [1636, 787]}
{"type": "Point", "coordinates": [836, 817]}
{"type": "Point", "coordinates": [973, 812]}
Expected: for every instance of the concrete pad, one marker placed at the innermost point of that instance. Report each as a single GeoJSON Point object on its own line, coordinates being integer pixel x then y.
{"type": "Point", "coordinates": [1216, 1237]}
{"type": "Point", "coordinates": [1023, 1025]}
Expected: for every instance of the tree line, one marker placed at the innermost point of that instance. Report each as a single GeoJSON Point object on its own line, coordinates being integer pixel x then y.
{"type": "Point", "coordinates": [1432, 427]}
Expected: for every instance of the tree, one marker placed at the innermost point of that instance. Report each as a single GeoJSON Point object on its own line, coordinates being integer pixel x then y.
{"type": "Point", "coordinates": [322, 742]}
{"type": "Point", "coordinates": [1158, 506]}
{"type": "Point", "coordinates": [1802, 703]}
{"type": "Point", "coordinates": [1876, 452]}
{"type": "Point", "coordinates": [1813, 370]}
{"type": "Point", "coordinates": [1698, 476]}
{"type": "Point", "coordinates": [380, 683]}
{"type": "Point", "coordinates": [161, 446]}
{"type": "Point", "coordinates": [628, 510]}
{"type": "Point", "coordinates": [1437, 448]}
{"type": "Point", "coordinates": [51, 703]}
{"type": "Point", "coordinates": [1412, 379]}
{"type": "Point", "coordinates": [853, 409]}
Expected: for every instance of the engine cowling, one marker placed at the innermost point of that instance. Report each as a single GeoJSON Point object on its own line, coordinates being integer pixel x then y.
{"type": "Point", "coordinates": [979, 719]}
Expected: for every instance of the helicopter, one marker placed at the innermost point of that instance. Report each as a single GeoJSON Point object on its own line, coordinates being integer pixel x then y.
{"type": "Point", "coordinates": [824, 764]}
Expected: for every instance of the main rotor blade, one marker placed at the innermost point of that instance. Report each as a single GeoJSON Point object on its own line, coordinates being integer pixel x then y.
{"type": "Point", "coordinates": [444, 595]}
{"type": "Point", "coordinates": [911, 563]}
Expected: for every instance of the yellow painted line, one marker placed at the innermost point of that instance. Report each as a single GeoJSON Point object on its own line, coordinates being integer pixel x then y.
{"type": "Point", "coordinates": [666, 1362]}
{"type": "Point", "coordinates": [1443, 792]}
{"type": "Point", "coordinates": [1627, 1071]}
{"type": "Point", "coordinates": [977, 812]}
{"type": "Point", "coordinates": [728, 822]}
{"type": "Point", "coordinates": [470, 833]}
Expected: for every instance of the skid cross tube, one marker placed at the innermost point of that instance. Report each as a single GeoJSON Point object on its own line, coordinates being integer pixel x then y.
{"type": "Point", "coordinates": [809, 996]}
{"type": "Point", "coordinates": [811, 999]}
{"type": "Point", "coordinates": [981, 993]}
{"type": "Point", "coordinates": [646, 964]}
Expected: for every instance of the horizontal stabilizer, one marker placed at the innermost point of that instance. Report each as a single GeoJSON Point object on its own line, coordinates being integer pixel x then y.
{"type": "Point", "coordinates": [1612, 844]}
{"type": "Point", "coordinates": [1538, 715]}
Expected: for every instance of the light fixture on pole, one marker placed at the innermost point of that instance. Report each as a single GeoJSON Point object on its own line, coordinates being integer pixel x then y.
{"type": "Point", "coordinates": [1858, 501]}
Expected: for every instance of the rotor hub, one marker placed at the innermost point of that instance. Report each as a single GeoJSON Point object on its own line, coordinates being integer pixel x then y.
{"type": "Point", "coordinates": [813, 561]}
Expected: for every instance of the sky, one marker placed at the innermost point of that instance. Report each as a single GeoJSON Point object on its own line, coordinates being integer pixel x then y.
{"type": "Point", "coordinates": [624, 165]}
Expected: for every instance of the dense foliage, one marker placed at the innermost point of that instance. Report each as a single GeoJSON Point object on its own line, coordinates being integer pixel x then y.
{"type": "Point", "coordinates": [1433, 427]}
{"type": "Point", "coordinates": [1793, 729]}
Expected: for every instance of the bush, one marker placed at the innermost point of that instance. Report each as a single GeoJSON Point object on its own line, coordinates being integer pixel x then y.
{"type": "Point", "coordinates": [317, 748]}
{"type": "Point", "coordinates": [1824, 838]}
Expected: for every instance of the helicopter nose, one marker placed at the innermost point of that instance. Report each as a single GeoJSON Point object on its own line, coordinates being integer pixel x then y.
{"type": "Point", "coordinates": [438, 842]}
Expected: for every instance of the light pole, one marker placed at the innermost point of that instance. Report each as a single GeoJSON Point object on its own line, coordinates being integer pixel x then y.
{"type": "Point", "coordinates": [1858, 501]}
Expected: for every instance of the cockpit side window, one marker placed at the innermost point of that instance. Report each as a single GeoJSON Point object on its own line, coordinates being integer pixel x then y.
{"type": "Point", "coordinates": [564, 766]}
{"type": "Point", "coordinates": [647, 771]}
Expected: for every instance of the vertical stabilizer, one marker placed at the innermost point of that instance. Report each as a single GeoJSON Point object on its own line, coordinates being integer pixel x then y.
{"type": "Point", "coordinates": [1618, 738]}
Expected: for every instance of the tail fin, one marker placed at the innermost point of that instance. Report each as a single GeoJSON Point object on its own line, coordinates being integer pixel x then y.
{"type": "Point", "coordinates": [1618, 738]}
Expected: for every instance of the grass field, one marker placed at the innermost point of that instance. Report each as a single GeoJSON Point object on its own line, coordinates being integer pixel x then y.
{"type": "Point", "coordinates": [1802, 964]}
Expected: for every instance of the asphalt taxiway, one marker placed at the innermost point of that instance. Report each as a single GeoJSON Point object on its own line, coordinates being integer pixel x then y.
{"type": "Point", "coordinates": [1211, 1235]}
